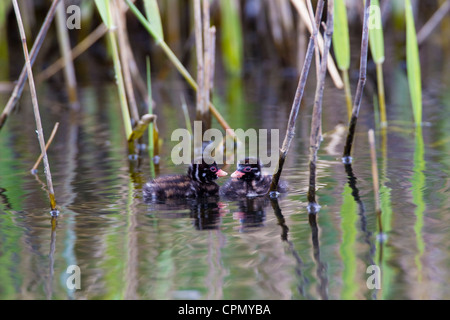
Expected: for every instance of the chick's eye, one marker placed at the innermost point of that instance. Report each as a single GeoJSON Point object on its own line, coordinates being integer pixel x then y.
{"type": "Point", "coordinates": [247, 169]}
{"type": "Point", "coordinates": [213, 169]}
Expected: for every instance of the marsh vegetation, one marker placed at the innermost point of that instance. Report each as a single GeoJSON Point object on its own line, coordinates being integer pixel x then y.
{"type": "Point", "coordinates": [357, 89]}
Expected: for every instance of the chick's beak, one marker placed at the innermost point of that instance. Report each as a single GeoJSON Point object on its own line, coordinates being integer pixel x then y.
{"type": "Point", "coordinates": [237, 174]}
{"type": "Point", "coordinates": [221, 173]}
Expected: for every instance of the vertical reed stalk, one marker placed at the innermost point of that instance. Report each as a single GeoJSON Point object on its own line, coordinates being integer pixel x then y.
{"type": "Point", "coordinates": [376, 43]}
{"type": "Point", "coordinates": [17, 92]}
{"type": "Point", "coordinates": [200, 60]}
{"type": "Point", "coordinates": [290, 131]}
{"type": "Point", "coordinates": [207, 64]}
{"type": "Point", "coordinates": [381, 97]}
{"type": "Point", "coordinates": [151, 148]}
{"type": "Point", "coordinates": [316, 136]}
{"type": "Point", "coordinates": [36, 109]}
{"type": "Point", "coordinates": [212, 53]}
{"type": "Point", "coordinates": [104, 9]}
{"type": "Point", "coordinates": [413, 65]}
{"type": "Point", "coordinates": [120, 83]}
{"type": "Point", "coordinates": [66, 52]}
{"type": "Point", "coordinates": [359, 89]}
{"type": "Point", "coordinates": [204, 61]}
{"type": "Point", "coordinates": [124, 58]}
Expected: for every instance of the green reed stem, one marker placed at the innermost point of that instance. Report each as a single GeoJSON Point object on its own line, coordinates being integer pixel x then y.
{"type": "Point", "coordinates": [413, 64]}
{"type": "Point", "coordinates": [381, 97]}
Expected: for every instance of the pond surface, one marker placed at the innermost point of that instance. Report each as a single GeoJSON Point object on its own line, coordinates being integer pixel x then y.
{"type": "Point", "coordinates": [219, 249]}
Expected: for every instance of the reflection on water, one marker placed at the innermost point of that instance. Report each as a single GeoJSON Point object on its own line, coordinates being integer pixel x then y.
{"type": "Point", "coordinates": [216, 248]}
{"type": "Point", "coordinates": [205, 212]}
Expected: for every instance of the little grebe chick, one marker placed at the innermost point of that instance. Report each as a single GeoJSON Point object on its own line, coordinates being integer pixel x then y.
{"type": "Point", "coordinates": [248, 181]}
{"type": "Point", "coordinates": [199, 181]}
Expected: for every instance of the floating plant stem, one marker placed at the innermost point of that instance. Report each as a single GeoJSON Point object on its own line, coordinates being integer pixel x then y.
{"type": "Point", "coordinates": [66, 52]}
{"type": "Point", "coordinates": [413, 65]}
{"type": "Point", "coordinates": [376, 43]}
{"type": "Point", "coordinates": [360, 87]}
{"type": "Point", "coordinates": [37, 115]}
{"type": "Point", "coordinates": [290, 131]}
{"type": "Point", "coordinates": [17, 92]}
{"type": "Point", "coordinates": [341, 46]}
{"type": "Point", "coordinates": [316, 123]}
{"type": "Point", "coordinates": [49, 142]}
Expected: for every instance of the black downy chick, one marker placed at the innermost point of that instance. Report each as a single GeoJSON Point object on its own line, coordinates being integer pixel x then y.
{"type": "Point", "coordinates": [248, 181]}
{"type": "Point", "coordinates": [199, 181]}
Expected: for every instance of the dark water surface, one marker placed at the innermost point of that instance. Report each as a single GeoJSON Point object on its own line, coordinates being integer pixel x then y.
{"type": "Point", "coordinates": [219, 249]}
